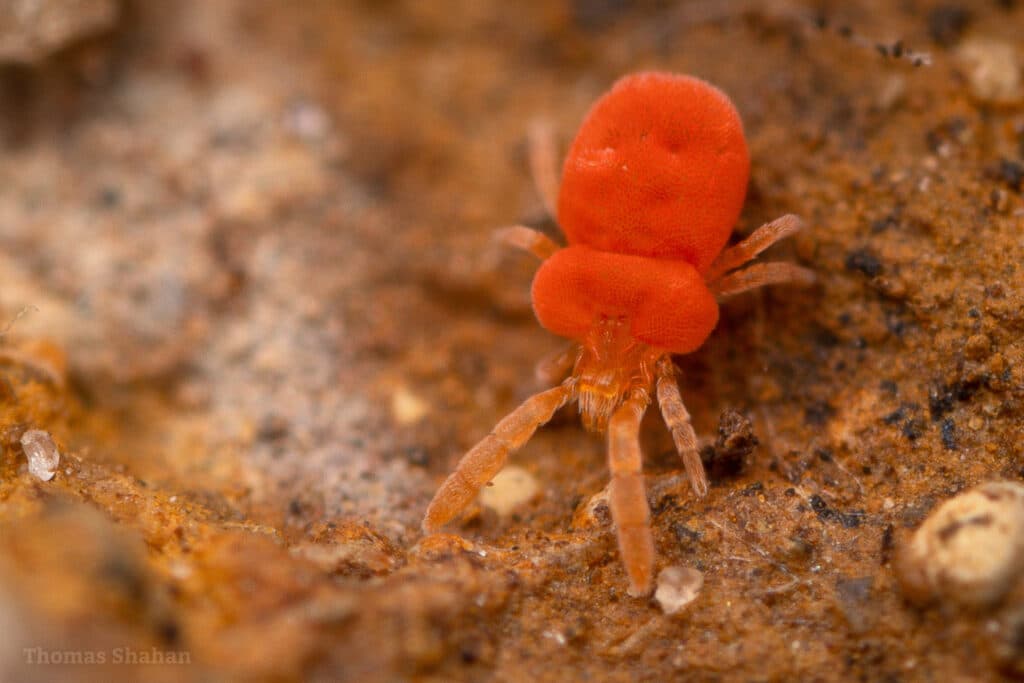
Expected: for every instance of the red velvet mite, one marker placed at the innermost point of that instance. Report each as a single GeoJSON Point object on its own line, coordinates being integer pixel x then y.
{"type": "Point", "coordinates": [649, 193]}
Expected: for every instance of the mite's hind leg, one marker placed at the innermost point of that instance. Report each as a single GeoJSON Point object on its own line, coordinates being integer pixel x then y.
{"type": "Point", "coordinates": [544, 169]}
{"type": "Point", "coordinates": [759, 240]}
{"type": "Point", "coordinates": [678, 421]}
{"type": "Point", "coordinates": [627, 498]}
{"type": "Point", "coordinates": [527, 239]}
{"type": "Point", "coordinates": [759, 275]}
{"type": "Point", "coordinates": [484, 460]}
{"type": "Point", "coordinates": [544, 163]}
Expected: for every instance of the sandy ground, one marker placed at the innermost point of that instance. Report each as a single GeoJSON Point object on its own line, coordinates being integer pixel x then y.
{"type": "Point", "coordinates": [246, 251]}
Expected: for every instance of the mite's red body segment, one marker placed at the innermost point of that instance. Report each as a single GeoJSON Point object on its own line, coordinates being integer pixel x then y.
{"type": "Point", "coordinates": [650, 191]}
{"type": "Point", "coordinates": [665, 302]}
{"type": "Point", "coordinates": [659, 168]}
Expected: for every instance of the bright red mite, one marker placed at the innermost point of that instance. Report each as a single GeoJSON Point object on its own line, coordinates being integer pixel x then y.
{"type": "Point", "coordinates": [650, 191]}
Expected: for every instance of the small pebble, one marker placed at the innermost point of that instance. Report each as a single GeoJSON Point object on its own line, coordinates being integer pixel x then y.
{"type": "Point", "coordinates": [993, 71]}
{"type": "Point", "coordinates": [677, 588]}
{"type": "Point", "coordinates": [43, 456]}
{"type": "Point", "coordinates": [307, 121]}
{"type": "Point", "coordinates": [407, 407]}
{"type": "Point", "coordinates": [969, 551]}
{"type": "Point", "coordinates": [891, 93]}
{"type": "Point", "coordinates": [509, 489]}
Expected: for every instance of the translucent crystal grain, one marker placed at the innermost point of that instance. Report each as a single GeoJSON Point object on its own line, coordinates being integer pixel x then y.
{"type": "Point", "coordinates": [43, 456]}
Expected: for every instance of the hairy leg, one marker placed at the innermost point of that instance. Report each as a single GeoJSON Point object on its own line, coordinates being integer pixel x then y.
{"type": "Point", "coordinates": [544, 163]}
{"type": "Point", "coordinates": [759, 275]}
{"type": "Point", "coordinates": [759, 240]}
{"type": "Point", "coordinates": [527, 239]}
{"type": "Point", "coordinates": [484, 460]}
{"type": "Point", "coordinates": [678, 421]}
{"type": "Point", "coordinates": [554, 367]}
{"type": "Point", "coordinates": [627, 498]}
{"type": "Point", "coordinates": [43, 359]}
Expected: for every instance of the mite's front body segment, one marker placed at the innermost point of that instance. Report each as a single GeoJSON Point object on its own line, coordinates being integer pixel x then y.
{"type": "Point", "coordinates": [650, 191]}
{"type": "Point", "coordinates": [664, 301]}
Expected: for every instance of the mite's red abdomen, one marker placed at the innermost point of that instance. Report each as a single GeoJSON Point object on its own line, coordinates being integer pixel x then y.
{"type": "Point", "coordinates": [667, 304]}
{"type": "Point", "coordinates": [659, 168]}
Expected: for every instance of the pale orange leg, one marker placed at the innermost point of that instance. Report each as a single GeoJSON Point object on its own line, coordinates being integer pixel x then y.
{"type": "Point", "coordinates": [759, 240]}
{"type": "Point", "coordinates": [626, 497]}
{"type": "Point", "coordinates": [45, 359]}
{"type": "Point", "coordinates": [678, 421]}
{"type": "Point", "coordinates": [527, 239]}
{"type": "Point", "coordinates": [544, 163]}
{"type": "Point", "coordinates": [484, 460]}
{"type": "Point", "coordinates": [553, 368]}
{"type": "Point", "coordinates": [759, 275]}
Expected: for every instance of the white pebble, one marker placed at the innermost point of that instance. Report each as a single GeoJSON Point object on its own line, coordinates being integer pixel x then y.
{"type": "Point", "coordinates": [307, 121]}
{"type": "Point", "coordinates": [509, 489]}
{"type": "Point", "coordinates": [677, 588]}
{"type": "Point", "coordinates": [970, 550]}
{"type": "Point", "coordinates": [43, 456]}
{"type": "Point", "coordinates": [408, 408]}
{"type": "Point", "coordinates": [993, 70]}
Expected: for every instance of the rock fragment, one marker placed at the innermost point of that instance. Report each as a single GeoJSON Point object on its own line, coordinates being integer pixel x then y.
{"type": "Point", "coordinates": [969, 551]}
{"type": "Point", "coordinates": [408, 408]}
{"type": "Point", "coordinates": [677, 588]}
{"type": "Point", "coordinates": [509, 489]}
{"type": "Point", "coordinates": [43, 456]}
{"type": "Point", "coordinates": [993, 71]}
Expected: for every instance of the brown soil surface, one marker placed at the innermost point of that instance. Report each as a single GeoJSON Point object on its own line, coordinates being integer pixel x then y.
{"type": "Point", "coordinates": [266, 316]}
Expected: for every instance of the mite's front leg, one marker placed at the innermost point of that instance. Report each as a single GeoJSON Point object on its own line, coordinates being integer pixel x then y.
{"type": "Point", "coordinates": [554, 367]}
{"type": "Point", "coordinates": [484, 460]}
{"type": "Point", "coordinates": [678, 421]}
{"type": "Point", "coordinates": [627, 497]}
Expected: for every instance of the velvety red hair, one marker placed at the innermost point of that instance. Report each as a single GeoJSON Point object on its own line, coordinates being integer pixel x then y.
{"type": "Point", "coordinates": [666, 303]}
{"type": "Point", "coordinates": [659, 168]}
